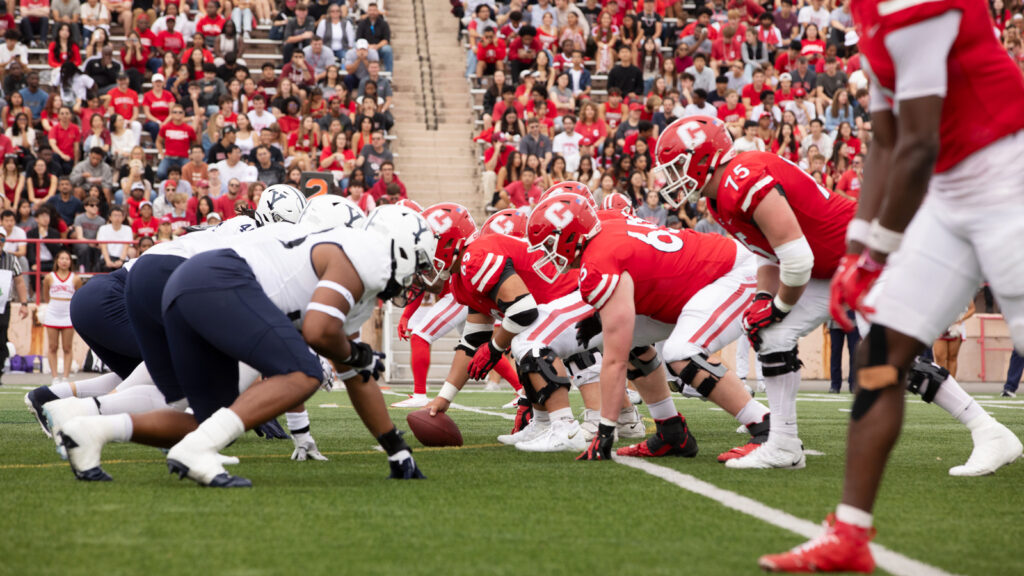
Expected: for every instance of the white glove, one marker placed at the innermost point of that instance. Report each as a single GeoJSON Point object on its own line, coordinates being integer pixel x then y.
{"type": "Point", "coordinates": [327, 380]}
{"type": "Point", "coordinates": [305, 448]}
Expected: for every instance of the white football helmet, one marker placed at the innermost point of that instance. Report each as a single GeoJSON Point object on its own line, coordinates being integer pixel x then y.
{"type": "Point", "coordinates": [280, 203]}
{"type": "Point", "coordinates": [412, 247]}
{"type": "Point", "coordinates": [329, 211]}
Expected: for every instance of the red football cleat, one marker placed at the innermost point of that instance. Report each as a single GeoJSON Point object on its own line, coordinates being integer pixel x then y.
{"type": "Point", "coordinates": [739, 451]}
{"type": "Point", "coordinates": [841, 548]}
{"type": "Point", "coordinates": [673, 438]}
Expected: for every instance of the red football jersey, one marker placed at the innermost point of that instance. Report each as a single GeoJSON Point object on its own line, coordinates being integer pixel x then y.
{"type": "Point", "coordinates": [822, 215]}
{"type": "Point", "coordinates": [483, 261]}
{"type": "Point", "coordinates": [977, 65]}
{"type": "Point", "coordinates": [667, 266]}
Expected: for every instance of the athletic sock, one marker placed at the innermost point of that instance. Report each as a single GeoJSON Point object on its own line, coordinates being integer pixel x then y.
{"type": "Point", "coordinates": [221, 429]}
{"type": "Point", "coordinates": [752, 413]}
{"type": "Point", "coordinates": [853, 516]}
{"type": "Point", "coordinates": [134, 400]}
{"type": "Point", "coordinates": [541, 415]}
{"type": "Point", "coordinates": [297, 421]}
{"type": "Point", "coordinates": [561, 415]}
{"type": "Point", "coordinates": [62, 390]}
{"type": "Point", "coordinates": [506, 370]}
{"type": "Point", "coordinates": [952, 398]}
{"type": "Point", "coordinates": [139, 377]}
{"type": "Point", "coordinates": [781, 392]}
{"type": "Point", "coordinates": [663, 410]}
{"type": "Point", "coordinates": [420, 361]}
{"type": "Point", "coordinates": [97, 386]}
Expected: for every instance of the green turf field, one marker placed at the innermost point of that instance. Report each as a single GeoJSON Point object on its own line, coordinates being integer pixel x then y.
{"type": "Point", "coordinates": [486, 508]}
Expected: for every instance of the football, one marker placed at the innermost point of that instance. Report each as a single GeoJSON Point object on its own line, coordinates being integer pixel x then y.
{"type": "Point", "coordinates": [437, 430]}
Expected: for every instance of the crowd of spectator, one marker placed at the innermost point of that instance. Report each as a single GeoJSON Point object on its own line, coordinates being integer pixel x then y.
{"type": "Point", "coordinates": [134, 120]}
{"type": "Point", "coordinates": [581, 90]}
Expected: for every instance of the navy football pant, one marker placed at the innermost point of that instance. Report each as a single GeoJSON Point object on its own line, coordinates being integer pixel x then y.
{"type": "Point", "coordinates": [100, 316]}
{"type": "Point", "coordinates": [143, 293]}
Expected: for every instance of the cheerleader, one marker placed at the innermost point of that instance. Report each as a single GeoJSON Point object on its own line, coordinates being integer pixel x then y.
{"type": "Point", "coordinates": [58, 288]}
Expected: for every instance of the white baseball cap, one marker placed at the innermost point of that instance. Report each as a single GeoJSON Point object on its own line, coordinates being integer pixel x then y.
{"type": "Point", "coordinates": [362, 44]}
{"type": "Point", "coordinates": [159, 78]}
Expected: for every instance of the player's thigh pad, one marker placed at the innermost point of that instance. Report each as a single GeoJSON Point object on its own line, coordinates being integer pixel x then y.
{"type": "Point", "coordinates": [100, 316]}
{"type": "Point", "coordinates": [809, 313]}
{"type": "Point", "coordinates": [931, 277]}
{"type": "Point", "coordinates": [554, 328]}
{"type": "Point", "coordinates": [441, 318]}
{"type": "Point", "coordinates": [712, 317]}
{"type": "Point", "coordinates": [143, 293]}
{"type": "Point", "coordinates": [650, 332]}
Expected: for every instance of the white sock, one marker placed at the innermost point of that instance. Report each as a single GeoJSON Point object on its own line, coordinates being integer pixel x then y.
{"type": "Point", "coordinates": [854, 516]}
{"type": "Point", "coordinates": [952, 398]}
{"type": "Point", "coordinates": [221, 429]}
{"type": "Point", "coordinates": [541, 415]}
{"type": "Point", "coordinates": [97, 386]}
{"type": "Point", "coordinates": [62, 390]}
{"type": "Point", "coordinates": [139, 377]}
{"type": "Point", "coordinates": [781, 392]}
{"type": "Point", "coordinates": [134, 400]}
{"type": "Point", "coordinates": [561, 415]}
{"type": "Point", "coordinates": [663, 410]}
{"type": "Point", "coordinates": [752, 413]}
{"type": "Point", "coordinates": [297, 420]}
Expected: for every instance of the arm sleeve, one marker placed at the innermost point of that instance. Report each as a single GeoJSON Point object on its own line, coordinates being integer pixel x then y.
{"type": "Point", "coordinates": [919, 54]}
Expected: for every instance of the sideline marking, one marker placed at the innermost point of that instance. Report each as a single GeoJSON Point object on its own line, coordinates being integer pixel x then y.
{"type": "Point", "coordinates": [888, 560]}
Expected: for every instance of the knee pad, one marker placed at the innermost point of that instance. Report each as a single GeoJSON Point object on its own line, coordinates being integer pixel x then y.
{"type": "Point", "coordinates": [779, 363]}
{"type": "Point", "coordinates": [541, 362]}
{"type": "Point", "coordinates": [584, 367]}
{"type": "Point", "coordinates": [700, 363]}
{"type": "Point", "coordinates": [640, 367]}
{"type": "Point", "coordinates": [925, 379]}
{"type": "Point", "coordinates": [877, 373]}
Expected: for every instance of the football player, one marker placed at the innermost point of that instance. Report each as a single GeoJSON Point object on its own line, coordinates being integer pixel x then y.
{"type": "Point", "coordinates": [651, 284]}
{"type": "Point", "coordinates": [446, 314]}
{"type": "Point", "coordinates": [946, 173]}
{"type": "Point", "coordinates": [797, 229]}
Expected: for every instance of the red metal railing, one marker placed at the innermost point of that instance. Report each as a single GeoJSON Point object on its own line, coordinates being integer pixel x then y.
{"type": "Point", "coordinates": [39, 273]}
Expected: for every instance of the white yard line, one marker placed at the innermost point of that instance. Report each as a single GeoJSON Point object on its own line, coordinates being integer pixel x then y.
{"type": "Point", "coordinates": [463, 408]}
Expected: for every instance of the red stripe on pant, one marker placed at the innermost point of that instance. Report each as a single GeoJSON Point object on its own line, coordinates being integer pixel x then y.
{"type": "Point", "coordinates": [565, 324]}
{"type": "Point", "coordinates": [553, 317]}
{"type": "Point", "coordinates": [739, 310]}
{"type": "Point", "coordinates": [438, 321]}
{"type": "Point", "coordinates": [725, 306]}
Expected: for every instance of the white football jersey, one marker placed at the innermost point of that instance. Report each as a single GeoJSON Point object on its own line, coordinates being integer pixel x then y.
{"type": "Point", "coordinates": [213, 238]}
{"type": "Point", "coordinates": [280, 256]}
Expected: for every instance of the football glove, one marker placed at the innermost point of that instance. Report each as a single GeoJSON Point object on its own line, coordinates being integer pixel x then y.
{"type": "Point", "coordinates": [601, 446]}
{"type": "Point", "coordinates": [403, 329]}
{"type": "Point", "coordinates": [588, 328]}
{"type": "Point", "coordinates": [761, 314]}
{"type": "Point", "coordinates": [853, 283]}
{"type": "Point", "coordinates": [836, 306]}
{"type": "Point", "coordinates": [271, 430]}
{"type": "Point", "coordinates": [327, 379]}
{"type": "Point", "coordinates": [365, 361]}
{"type": "Point", "coordinates": [305, 448]}
{"type": "Point", "coordinates": [485, 359]}
{"type": "Point", "coordinates": [403, 467]}
{"type": "Point", "coordinates": [524, 413]}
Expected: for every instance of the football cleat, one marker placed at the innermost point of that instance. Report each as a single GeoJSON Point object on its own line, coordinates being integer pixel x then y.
{"type": "Point", "coordinates": [35, 400]}
{"type": "Point", "coordinates": [532, 430]}
{"type": "Point", "coordinates": [634, 397]}
{"type": "Point", "coordinates": [561, 437]}
{"type": "Point", "coordinates": [739, 451]}
{"type": "Point", "coordinates": [414, 401]}
{"type": "Point", "coordinates": [775, 453]}
{"type": "Point", "coordinates": [672, 438]}
{"type": "Point", "coordinates": [630, 424]}
{"type": "Point", "coordinates": [192, 457]}
{"type": "Point", "coordinates": [758, 435]}
{"type": "Point", "coordinates": [841, 548]}
{"type": "Point", "coordinates": [58, 412]}
{"type": "Point", "coordinates": [1008, 394]}
{"type": "Point", "coordinates": [84, 445]}
{"type": "Point", "coordinates": [513, 403]}
{"type": "Point", "coordinates": [994, 447]}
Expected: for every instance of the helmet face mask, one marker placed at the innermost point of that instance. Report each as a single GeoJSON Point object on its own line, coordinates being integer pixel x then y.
{"type": "Point", "coordinates": [688, 153]}
{"type": "Point", "coordinates": [412, 245]}
{"type": "Point", "coordinates": [453, 227]}
{"type": "Point", "coordinates": [280, 203]}
{"type": "Point", "coordinates": [559, 228]}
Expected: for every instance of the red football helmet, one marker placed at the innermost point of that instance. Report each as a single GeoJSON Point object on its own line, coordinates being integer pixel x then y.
{"type": "Point", "coordinates": [559, 227]}
{"type": "Point", "coordinates": [688, 153]}
{"type": "Point", "coordinates": [571, 187]}
{"type": "Point", "coordinates": [617, 201]}
{"type": "Point", "coordinates": [453, 226]}
{"type": "Point", "coordinates": [510, 222]}
{"type": "Point", "coordinates": [410, 204]}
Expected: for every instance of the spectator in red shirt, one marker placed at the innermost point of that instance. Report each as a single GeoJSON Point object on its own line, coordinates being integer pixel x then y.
{"type": "Point", "coordinates": [522, 53]}
{"type": "Point", "coordinates": [145, 225]}
{"type": "Point", "coordinates": [733, 112]}
{"type": "Point", "coordinates": [299, 71]}
{"type": "Point", "coordinates": [170, 40]}
{"type": "Point", "coordinates": [786, 61]}
{"type": "Point", "coordinates": [156, 106]}
{"type": "Point", "coordinates": [524, 192]}
{"type": "Point", "coordinates": [850, 182]}
{"type": "Point", "coordinates": [387, 176]}
{"type": "Point", "coordinates": [490, 54]}
{"type": "Point", "coordinates": [225, 203]}
{"type": "Point", "coordinates": [64, 138]}
{"type": "Point", "coordinates": [211, 25]}
{"type": "Point", "coordinates": [135, 56]}
{"type": "Point", "coordinates": [63, 48]}
{"type": "Point", "coordinates": [173, 142]}
{"type": "Point", "coordinates": [752, 91]}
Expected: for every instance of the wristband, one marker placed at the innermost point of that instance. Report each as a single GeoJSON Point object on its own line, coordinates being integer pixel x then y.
{"type": "Point", "coordinates": [448, 391]}
{"type": "Point", "coordinates": [882, 239]}
{"type": "Point", "coordinates": [782, 306]}
{"type": "Point", "coordinates": [496, 347]}
{"type": "Point", "coordinates": [858, 231]}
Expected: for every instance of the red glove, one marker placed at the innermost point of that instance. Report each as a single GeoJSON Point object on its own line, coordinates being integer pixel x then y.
{"type": "Point", "coordinates": [600, 447]}
{"type": "Point", "coordinates": [761, 314]}
{"type": "Point", "coordinates": [854, 281]}
{"type": "Point", "coordinates": [403, 329]}
{"type": "Point", "coordinates": [524, 413]}
{"type": "Point", "coordinates": [485, 359]}
{"type": "Point", "coordinates": [836, 306]}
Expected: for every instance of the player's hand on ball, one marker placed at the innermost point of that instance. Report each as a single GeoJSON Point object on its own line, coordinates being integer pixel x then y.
{"type": "Point", "coordinates": [837, 306]}
{"type": "Point", "coordinates": [485, 359]}
{"type": "Point", "coordinates": [305, 448]}
{"type": "Point", "coordinates": [601, 446]}
{"type": "Point", "coordinates": [403, 329]}
{"type": "Point", "coordinates": [403, 467]}
{"type": "Point", "coordinates": [761, 314]}
{"type": "Point", "coordinates": [438, 405]}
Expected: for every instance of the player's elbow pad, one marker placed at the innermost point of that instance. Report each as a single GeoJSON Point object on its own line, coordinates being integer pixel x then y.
{"type": "Point", "coordinates": [473, 336]}
{"type": "Point", "coordinates": [520, 314]}
{"type": "Point", "coordinates": [796, 260]}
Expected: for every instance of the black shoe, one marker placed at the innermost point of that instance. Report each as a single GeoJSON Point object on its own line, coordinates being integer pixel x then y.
{"type": "Point", "coordinates": [834, 390]}
{"type": "Point", "coordinates": [35, 400]}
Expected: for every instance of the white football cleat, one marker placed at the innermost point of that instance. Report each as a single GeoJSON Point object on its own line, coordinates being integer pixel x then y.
{"type": "Point", "coordinates": [994, 447]}
{"type": "Point", "coordinates": [630, 424]}
{"type": "Point", "coordinates": [227, 460]}
{"type": "Point", "coordinates": [59, 412]}
{"type": "Point", "coordinates": [634, 397]}
{"type": "Point", "coordinates": [529, 432]}
{"type": "Point", "coordinates": [414, 401]}
{"type": "Point", "coordinates": [562, 436]}
{"type": "Point", "coordinates": [775, 453]}
{"type": "Point", "coordinates": [195, 458]}
{"type": "Point", "coordinates": [513, 403]}
{"type": "Point", "coordinates": [83, 439]}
